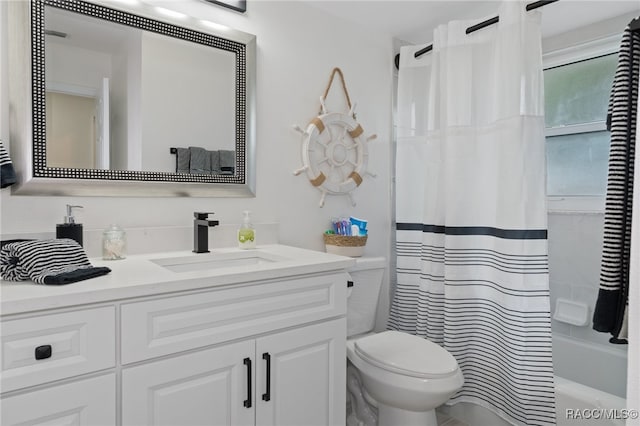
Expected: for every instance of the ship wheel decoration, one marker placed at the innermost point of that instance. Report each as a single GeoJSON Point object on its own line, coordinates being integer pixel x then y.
{"type": "Point", "coordinates": [334, 149]}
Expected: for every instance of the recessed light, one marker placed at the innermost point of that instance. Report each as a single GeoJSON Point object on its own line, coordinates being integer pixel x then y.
{"type": "Point", "coordinates": [128, 2]}
{"type": "Point", "coordinates": [170, 13]}
{"type": "Point", "coordinates": [214, 26]}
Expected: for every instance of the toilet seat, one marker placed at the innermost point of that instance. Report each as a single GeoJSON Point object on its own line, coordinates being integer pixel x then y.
{"type": "Point", "coordinates": [406, 354]}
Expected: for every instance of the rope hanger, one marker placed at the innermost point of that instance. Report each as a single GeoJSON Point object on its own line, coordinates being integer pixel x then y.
{"type": "Point", "coordinates": [335, 71]}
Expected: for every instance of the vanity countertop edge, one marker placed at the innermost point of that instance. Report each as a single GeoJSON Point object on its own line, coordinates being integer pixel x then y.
{"type": "Point", "coordinates": [138, 276]}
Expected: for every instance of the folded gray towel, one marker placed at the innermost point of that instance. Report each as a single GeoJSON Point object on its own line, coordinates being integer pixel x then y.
{"type": "Point", "coordinates": [7, 173]}
{"type": "Point", "coordinates": [59, 261]}
{"type": "Point", "coordinates": [227, 161]}
{"type": "Point", "coordinates": [200, 161]}
{"type": "Point", "coordinates": [215, 162]}
{"type": "Point", "coordinates": [183, 159]}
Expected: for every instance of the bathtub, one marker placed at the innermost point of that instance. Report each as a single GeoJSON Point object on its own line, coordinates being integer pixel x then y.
{"type": "Point", "coordinates": [590, 378]}
{"type": "Point", "coordinates": [599, 366]}
{"type": "Point", "coordinates": [578, 404]}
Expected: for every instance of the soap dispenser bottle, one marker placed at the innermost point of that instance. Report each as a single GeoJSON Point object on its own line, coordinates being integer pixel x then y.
{"type": "Point", "coordinates": [70, 229]}
{"type": "Point", "coordinates": [246, 233]}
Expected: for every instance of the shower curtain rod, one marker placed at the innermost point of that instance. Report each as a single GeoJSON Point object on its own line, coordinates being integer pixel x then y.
{"type": "Point", "coordinates": [479, 26]}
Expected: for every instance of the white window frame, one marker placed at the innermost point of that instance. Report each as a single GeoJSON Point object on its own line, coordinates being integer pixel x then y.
{"type": "Point", "coordinates": [565, 56]}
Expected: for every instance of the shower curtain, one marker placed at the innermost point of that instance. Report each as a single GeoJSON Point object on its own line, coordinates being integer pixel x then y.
{"type": "Point", "coordinates": [471, 211]}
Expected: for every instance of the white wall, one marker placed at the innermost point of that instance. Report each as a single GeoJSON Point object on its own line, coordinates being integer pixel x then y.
{"type": "Point", "coordinates": [197, 110]}
{"type": "Point", "coordinates": [76, 66]}
{"type": "Point", "coordinates": [124, 104]}
{"type": "Point", "coordinates": [297, 48]}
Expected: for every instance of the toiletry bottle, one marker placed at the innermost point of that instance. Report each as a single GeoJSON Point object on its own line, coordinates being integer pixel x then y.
{"type": "Point", "coordinates": [246, 233]}
{"type": "Point", "coordinates": [70, 229]}
{"type": "Point", "coordinates": [114, 243]}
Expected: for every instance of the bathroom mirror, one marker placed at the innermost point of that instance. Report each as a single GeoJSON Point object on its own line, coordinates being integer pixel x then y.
{"type": "Point", "coordinates": [108, 101]}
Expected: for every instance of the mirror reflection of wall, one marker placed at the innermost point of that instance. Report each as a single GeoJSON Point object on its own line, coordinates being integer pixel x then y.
{"type": "Point", "coordinates": [162, 92]}
{"type": "Point", "coordinates": [188, 100]}
{"type": "Point", "coordinates": [70, 124]}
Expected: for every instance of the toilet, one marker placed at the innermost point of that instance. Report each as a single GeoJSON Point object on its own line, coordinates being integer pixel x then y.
{"type": "Point", "coordinates": [393, 378]}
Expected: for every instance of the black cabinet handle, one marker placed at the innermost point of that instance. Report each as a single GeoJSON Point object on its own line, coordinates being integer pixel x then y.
{"type": "Point", "coordinates": [43, 352]}
{"type": "Point", "coordinates": [349, 284]}
{"type": "Point", "coordinates": [267, 395]}
{"type": "Point", "coordinates": [247, 402]}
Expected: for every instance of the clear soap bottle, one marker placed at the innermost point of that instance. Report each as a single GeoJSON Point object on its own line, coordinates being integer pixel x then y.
{"type": "Point", "coordinates": [246, 233]}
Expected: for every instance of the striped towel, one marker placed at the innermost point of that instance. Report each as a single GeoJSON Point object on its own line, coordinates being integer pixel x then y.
{"type": "Point", "coordinates": [7, 173]}
{"type": "Point", "coordinates": [610, 309]}
{"type": "Point", "coordinates": [60, 261]}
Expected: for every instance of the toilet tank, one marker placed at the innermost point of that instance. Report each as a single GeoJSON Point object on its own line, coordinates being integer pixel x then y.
{"type": "Point", "coordinates": [362, 302]}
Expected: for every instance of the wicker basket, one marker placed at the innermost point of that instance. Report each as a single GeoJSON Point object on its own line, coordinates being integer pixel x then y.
{"type": "Point", "coordinates": [344, 245]}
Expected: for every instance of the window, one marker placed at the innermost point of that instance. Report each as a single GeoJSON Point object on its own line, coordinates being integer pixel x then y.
{"type": "Point", "coordinates": [576, 100]}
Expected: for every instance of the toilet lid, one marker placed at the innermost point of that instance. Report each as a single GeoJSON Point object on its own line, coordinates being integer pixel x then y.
{"type": "Point", "coordinates": [406, 354]}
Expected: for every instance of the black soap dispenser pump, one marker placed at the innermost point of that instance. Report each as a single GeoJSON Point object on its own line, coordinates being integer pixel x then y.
{"type": "Point", "coordinates": [70, 229]}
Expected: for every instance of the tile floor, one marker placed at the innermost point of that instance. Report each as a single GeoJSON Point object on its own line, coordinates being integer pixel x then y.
{"type": "Point", "coordinates": [446, 420]}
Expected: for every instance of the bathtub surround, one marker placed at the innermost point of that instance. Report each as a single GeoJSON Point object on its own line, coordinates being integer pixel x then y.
{"type": "Point", "coordinates": [610, 315]}
{"type": "Point", "coordinates": [471, 212]}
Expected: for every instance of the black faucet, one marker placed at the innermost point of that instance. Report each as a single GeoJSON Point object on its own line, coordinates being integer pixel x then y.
{"type": "Point", "coordinates": [201, 231]}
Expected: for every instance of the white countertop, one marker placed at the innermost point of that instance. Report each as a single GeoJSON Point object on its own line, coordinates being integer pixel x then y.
{"type": "Point", "coordinates": [138, 276]}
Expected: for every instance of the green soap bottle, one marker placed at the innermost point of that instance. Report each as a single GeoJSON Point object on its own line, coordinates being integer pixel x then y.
{"type": "Point", "coordinates": [246, 233]}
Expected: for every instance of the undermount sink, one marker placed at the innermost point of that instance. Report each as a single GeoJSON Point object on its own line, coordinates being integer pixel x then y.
{"type": "Point", "coordinates": [207, 261]}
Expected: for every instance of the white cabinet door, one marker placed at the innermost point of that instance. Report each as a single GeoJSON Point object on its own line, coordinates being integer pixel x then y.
{"type": "Point", "coordinates": [90, 402]}
{"type": "Point", "coordinates": [306, 381]}
{"type": "Point", "coordinates": [209, 387]}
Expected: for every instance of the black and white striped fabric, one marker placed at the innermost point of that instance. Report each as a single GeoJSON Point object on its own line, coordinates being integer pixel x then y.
{"type": "Point", "coordinates": [483, 295]}
{"type": "Point", "coordinates": [611, 305]}
{"type": "Point", "coordinates": [471, 214]}
{"type": "Point", "coordinates": [7, 173]}
{"type": "Point", "coordinates": [60, 261]}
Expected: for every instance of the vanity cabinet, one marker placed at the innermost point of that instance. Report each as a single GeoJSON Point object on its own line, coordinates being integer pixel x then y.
{"type": "Point", "coordinates": [300, 376]}
{"type": "Point", "coordinates": [287, 378]}
{"type": "Point", "coordinates": [90, 402]}
{"type": "Point", "coordinates": [264, 352]}
{"type": "Point", "coordinates": [44, 348]}
{"type": "Point", "coordinates": [207, 387]}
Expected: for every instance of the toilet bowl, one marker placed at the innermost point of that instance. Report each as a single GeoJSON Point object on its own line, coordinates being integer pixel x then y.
{"type": "Point", "coordinates": [403, 376]}
{"type": "Point", "coordinates": [408, 377]}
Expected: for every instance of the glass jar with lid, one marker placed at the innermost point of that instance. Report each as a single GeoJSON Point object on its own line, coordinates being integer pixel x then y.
{"type": "Point", "coordinates": [114, 243]}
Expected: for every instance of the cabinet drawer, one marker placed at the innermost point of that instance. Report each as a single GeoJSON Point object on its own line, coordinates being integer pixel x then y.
{"type": "Point", "coordinates": [89, 402]}
{"type": "Point", "coordinates": [164, 326]}
{"type": "Point", "coordinates": [68, 344]}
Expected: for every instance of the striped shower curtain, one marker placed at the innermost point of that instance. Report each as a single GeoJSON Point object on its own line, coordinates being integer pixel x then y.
{"type": "Point", "coordinates": [471, 211]}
